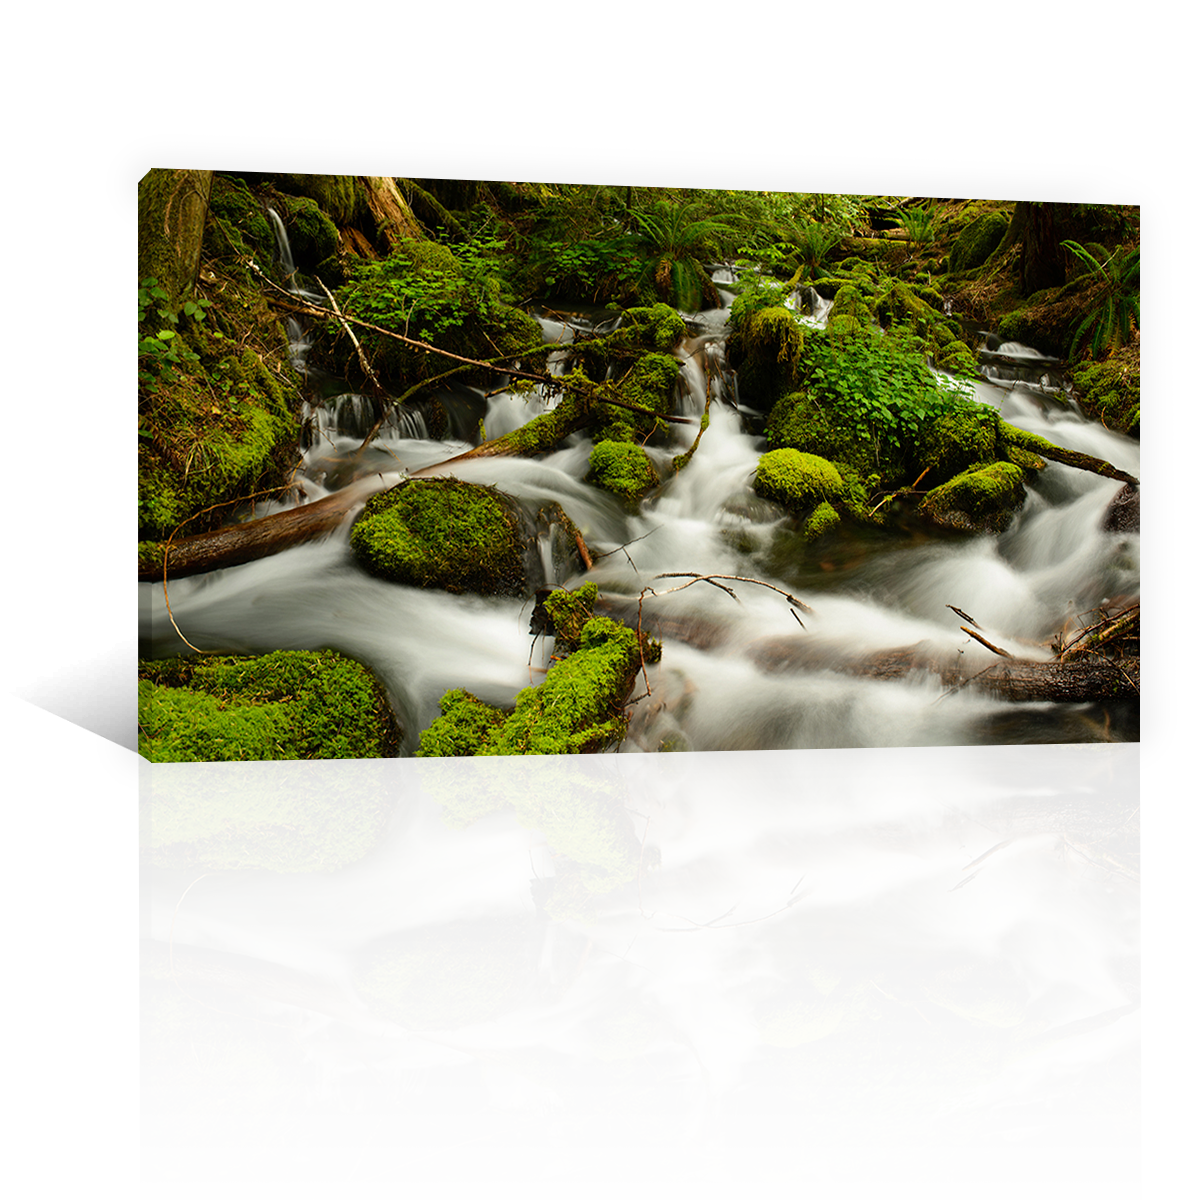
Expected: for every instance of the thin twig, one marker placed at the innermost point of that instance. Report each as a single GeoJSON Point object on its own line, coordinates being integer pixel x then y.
{"type": "Point", "coordinates": [984, 642]}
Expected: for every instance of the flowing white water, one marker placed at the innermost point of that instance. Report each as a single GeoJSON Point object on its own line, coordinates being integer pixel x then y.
{"type": "Point", "coordinates": [831, 753]}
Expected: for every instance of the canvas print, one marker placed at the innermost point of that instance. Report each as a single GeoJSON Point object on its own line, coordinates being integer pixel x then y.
{"type": "Point", "coordinates": [582, 484]}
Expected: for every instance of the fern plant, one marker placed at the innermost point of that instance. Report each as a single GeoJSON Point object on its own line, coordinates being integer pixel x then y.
{"type": "Point", "coordinates": [674, 238]}
{"type": "Point", "coordinates": [1115, 311]}
{"type": "Point", "coordinates": [814, 244]}
{"type": "Point", "coordinates": [918, 224]}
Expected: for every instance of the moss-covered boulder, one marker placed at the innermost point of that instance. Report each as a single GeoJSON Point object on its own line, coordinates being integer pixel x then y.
{"type": "Point", "coordinates": [850, 302]}
{"type": "Point", "coordinates": [796, 480]}
{"type": "Point", "coordinates": [443, 533]}
{"type": "Point", "coordinates": [1111, 390]}
{"type": "Point", "coordinates": [974, 245]}
{"type": "Point", "coordinates": [766, 349]}
{"type": "Point", "coordinates": [622, 468]}
{"type": "Point", "coordinates": [655, 327]}
{"type": "Point", "coordinates": [823, 518]}
{"type": "Point", "coordinates": [450, 975]}
{"type": "Point", "coordinates": [962, 437]}
{"type": "Point", "coordinates": [224, 430]}
{"type": "Point", "coordinates": [312, 236]}
{"type": "Point", "coordinates": [977, 501]}
{"type": "Point", "coordinates": [650, 384]}
{"type": "Point", "coordinates": [957, 358]}
{"type": "Point", "coordinates": [285, 762]}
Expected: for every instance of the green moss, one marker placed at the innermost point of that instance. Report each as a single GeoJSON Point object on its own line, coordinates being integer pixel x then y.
{"type": "Point", "coordinates": [957, 358]}
{"type": "Point", "coordinates": [767, 350]}
{"type": "Point", "coordinates": [442, 533]}
{"type": "Point", "coordinates": [569, 612]}
{"type": "Point", "coordinates": [286, 762]}
{"type": "Point", "coordinates": [446, 976]}
{"type": "Point", "coordinates": [657, 327]}
{"type": "Point", "coordinates": [465, 725]}
{"type": "Point", "coordinates": [339, 196]}
{"type": "Point", "coordinates": [977, 501]}
{"type": "Point", "coordinates": [823, 519]}
{"type": "Point", "coordinates": [962, 437]}
{"type": "Point", "coordinates": [622, 468]}
{"type": "Point", "coordinates": [975, 243]}
{"type": "Point", "coordinates": [1112, 390]}
{"type": "Point", "coordinates": [651, 384]}
{"type": "Point", "coordinates": [215, 437]}
{"type": "Point", "coordinates": [312, 236]}
{"type": "Point", "coordinates": [796, 480]}
{"type": "Point", "coordinates": [850, 302]}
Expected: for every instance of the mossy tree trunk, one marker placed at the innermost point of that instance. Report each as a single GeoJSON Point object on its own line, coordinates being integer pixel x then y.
{"type": "Point", "coordinates": [172, 208]}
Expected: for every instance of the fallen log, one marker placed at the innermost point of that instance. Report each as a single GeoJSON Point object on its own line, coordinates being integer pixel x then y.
{"type": "Point", "coordinates": [1012, 436]}
{"type": "Point", "coordinates": [233, 545]}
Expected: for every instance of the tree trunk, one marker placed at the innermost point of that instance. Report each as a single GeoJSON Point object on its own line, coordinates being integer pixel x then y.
{"type": "Point", "coordinates": [172, 208]}
{"type": "Point", "coordinates": [1043, 264]}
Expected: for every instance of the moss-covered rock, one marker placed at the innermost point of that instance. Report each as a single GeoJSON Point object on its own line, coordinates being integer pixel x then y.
{"type": "Point", "coordinates": [443, 533]}
{"type": "Point", "coordinates": [656, 327]}
{"type": "Point", "coordinates": [957, 358]}
{"type": "Point", "coordinates": [285, 762]}
{"type": "Point", "coordinates": [975, 243]}
{"type": "Point", "coordinates": [313, 237]}
{"type": "Point", "coordinates": [766, 349]}
{"type": "Point", "coordinates": [224, 430]}
{"type": "Point", "coordinates": [850, 302]}
{"type": "Point", "coordinates": [797, 480]}
{"type": "Point", "coordinates": [650, 384]}
{"type": "Point", "coordinates": [447, 976]}
{"type": "Point", "coordinates": [824, 517]}
{"type": "Point", "coordinates": [977, 501]}
{"type": "Point", "coordinates": [339, 196]}
{"type": "Point", "coordinates": [1112, 390]}
{"type": "Point", "coordinates": [567, 613]}
{"type": "Point", "coordinates": [962, 437]}
{"type": "Point", "coordinates": [622, 468]}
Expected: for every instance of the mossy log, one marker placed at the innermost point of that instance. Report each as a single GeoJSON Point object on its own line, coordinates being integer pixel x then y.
{"type": "Point", "coordinates": [1012, 436]}
{"type": "Point", "coordinates": [172, 207]}
{"type": "Point", "coordinates": [250, 540]}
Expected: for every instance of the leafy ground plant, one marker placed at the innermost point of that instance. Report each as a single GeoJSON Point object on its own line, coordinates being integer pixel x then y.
{"type": "Point", "coordinates": [1115, 311]}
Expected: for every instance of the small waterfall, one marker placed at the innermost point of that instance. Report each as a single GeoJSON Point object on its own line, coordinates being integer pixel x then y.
{"type": "Point", "coordinates": [298, 342]}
